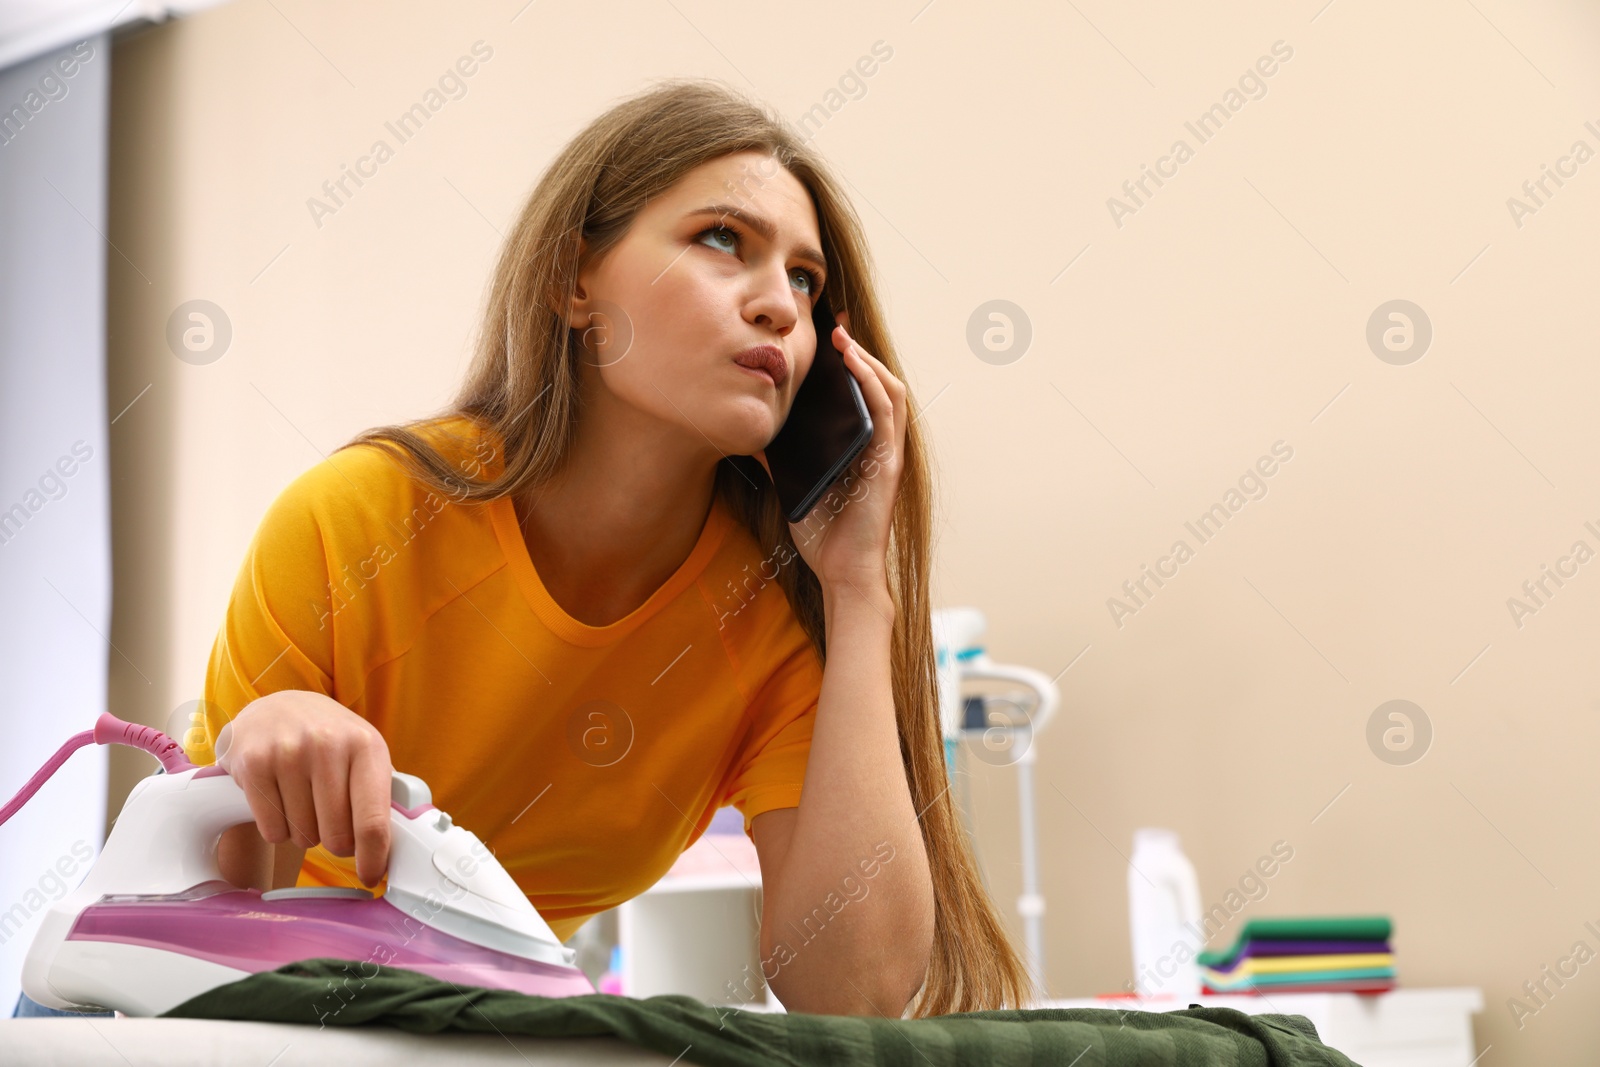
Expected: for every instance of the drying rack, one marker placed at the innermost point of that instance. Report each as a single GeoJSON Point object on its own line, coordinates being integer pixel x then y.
{"type": "Point", "coordinates": [998, 740]}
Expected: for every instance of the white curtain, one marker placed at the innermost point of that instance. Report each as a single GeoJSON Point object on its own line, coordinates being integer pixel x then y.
{"type": "Point", "coordinates": [55, 442]}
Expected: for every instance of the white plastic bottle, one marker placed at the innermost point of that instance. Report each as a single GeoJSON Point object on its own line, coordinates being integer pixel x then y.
{"type": "Point", "coordinates": [1164, 914]}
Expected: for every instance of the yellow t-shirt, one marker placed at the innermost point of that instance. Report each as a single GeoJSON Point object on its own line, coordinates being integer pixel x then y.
{"type": "Point", "coordinates": [586, 758]}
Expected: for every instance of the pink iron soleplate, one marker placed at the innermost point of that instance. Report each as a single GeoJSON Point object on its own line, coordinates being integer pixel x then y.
{"type": "Point", "coordinates": [236, 928]}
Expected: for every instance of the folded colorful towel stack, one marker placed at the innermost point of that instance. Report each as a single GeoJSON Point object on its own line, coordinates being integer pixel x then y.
{"type": "Point", "coordinates": [1344, 955]}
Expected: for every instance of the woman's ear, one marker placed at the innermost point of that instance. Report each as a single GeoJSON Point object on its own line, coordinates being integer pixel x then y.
{"type": "Point", "coordinates": [578, 315]}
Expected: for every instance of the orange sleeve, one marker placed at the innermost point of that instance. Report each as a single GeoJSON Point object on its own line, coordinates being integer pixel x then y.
{"type": "Point", "coordinates": [277, 632]}
{"type": "Point", "coordinates": [772, 767]}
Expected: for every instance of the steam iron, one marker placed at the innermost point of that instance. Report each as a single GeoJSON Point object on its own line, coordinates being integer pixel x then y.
{"type": "Point", "coordinates": [154, 923]}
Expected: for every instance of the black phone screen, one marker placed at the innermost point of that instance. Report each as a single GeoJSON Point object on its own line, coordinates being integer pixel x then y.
{"type": "Point", "coordinates": [827, 427]}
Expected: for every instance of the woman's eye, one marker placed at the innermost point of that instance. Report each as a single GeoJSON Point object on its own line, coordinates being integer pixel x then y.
{"type": "Point", "coordinates": [812, 280]}
{"type": "Point", "coordinates": [722, 229]}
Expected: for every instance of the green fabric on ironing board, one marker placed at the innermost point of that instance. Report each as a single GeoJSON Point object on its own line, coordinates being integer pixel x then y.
{"type": "Point", "coordinates": [700, 1033]}
{"type": "Point", "coordinates": [1351, 928]}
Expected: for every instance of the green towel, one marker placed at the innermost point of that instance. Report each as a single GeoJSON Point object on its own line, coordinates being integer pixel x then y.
{"type": "Point", "coordinates": [1287, 981]}
{"type": "Point", "coordinates": [680, 1025]}
{"type": "Point", "coordinates": [1348, 928]}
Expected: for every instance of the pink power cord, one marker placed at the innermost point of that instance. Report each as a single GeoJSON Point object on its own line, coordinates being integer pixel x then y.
{"type": "Point", "coordinates": [108, 730]}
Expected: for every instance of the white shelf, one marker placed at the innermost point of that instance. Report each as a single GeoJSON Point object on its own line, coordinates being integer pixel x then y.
{"type": "Point", "coordinates": [699, 883]}
{"type": "Point", "coordinates": [696, 932]}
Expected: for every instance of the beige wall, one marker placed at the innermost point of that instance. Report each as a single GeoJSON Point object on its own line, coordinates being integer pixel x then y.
{"type": "Point", "coordinates": [1223, 316]}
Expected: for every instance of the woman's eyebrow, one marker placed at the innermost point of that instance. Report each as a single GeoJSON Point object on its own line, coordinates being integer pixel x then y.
{"type": "Point", "coordinates": [761, 226]}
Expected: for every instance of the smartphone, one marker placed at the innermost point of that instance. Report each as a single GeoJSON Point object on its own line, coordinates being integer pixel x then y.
{"type": "Point", "coordinates": [827, 427]}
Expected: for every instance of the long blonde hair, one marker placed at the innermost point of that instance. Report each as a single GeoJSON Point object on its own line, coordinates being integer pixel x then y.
{"type": "Point", "coordinates": [523, 384]}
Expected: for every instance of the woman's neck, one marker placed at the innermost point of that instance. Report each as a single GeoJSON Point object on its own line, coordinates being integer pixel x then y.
{"type": "Point", "coordinates": [615, 524]}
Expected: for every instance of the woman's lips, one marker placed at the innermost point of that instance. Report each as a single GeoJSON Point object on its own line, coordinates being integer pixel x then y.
{"type": "Point", "coordinates": [759, 372]}
{"type": "Point", "coordinates": [767, 358]}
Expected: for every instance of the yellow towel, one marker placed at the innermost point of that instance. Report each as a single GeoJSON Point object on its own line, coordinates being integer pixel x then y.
{"type": "Point", "coordinates": [1290, 964]}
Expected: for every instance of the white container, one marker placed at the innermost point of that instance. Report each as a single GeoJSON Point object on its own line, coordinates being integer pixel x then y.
{"type": "Point", "coordinates": [1164, 914]}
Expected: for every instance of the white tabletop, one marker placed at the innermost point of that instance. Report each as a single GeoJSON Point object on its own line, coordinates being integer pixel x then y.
{"type": "Point", "coordinates": [62, 1042]}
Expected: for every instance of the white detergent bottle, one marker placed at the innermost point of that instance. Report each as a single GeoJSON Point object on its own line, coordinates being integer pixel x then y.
{"type": "Point", "coordinates": [1164, 913]}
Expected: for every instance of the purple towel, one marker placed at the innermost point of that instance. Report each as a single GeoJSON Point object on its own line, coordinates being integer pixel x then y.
{"type": "Point", "coordinates": [1312, 948]}
{"type": "Point", "coordinates": [1259, 947]}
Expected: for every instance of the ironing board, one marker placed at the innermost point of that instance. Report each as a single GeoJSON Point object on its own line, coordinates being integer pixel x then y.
{"type": "Point", "coordinates": [185, 1042]}
{"type": "Point", "coordinates": [398, 1012]}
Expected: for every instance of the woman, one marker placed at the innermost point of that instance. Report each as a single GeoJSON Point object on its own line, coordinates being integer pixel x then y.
{"type": "Point", "coordinates": [572, 605]}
